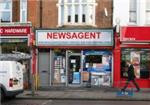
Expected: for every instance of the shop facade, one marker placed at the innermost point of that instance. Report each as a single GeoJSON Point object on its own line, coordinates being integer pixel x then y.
{"type": "Point", "coordinates": [64, 56]}
{"type": "Point", "coordinates": [14, 39]}
{"type": "Point", "coordinates": [133, 44]}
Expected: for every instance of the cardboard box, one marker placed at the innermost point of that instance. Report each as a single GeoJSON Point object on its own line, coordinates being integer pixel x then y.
{"type": "Point", "coordinates": [85, 75]}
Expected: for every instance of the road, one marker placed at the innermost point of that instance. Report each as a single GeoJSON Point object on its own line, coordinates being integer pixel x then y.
{"type": "Point", "coordinates": [72, 102]}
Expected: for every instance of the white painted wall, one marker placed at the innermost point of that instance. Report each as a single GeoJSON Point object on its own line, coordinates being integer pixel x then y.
{"type": "Point", "coordinates": [121, 11]}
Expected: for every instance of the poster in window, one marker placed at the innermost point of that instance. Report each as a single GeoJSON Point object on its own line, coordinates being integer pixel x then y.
{"type": "Point", "coordinates": [135, 59]}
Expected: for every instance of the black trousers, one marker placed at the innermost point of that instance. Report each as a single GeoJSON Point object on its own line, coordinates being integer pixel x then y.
{"type": "Point", "coordinates": [134, 82]}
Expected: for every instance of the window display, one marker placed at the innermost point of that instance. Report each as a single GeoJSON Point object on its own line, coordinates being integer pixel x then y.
{"type": "Point", "coordinates": [140, 59]}
{"type": "Point", "coordinates": [59, 67]}
{"type": "Point", "coordinates": [135, 59]}
{"type": "Point", "coordinates": [59, 71]}
{"type": "Point", "coordinates": [98, 63]}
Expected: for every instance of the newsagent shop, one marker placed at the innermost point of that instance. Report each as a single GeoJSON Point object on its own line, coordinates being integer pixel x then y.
{"type": "Point", "coordinates": [133, 44]}
{"type": "Point", "coordinates": [64, 56]}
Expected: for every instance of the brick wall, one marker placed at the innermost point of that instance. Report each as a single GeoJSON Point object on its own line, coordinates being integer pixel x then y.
{"type": "Point", "coordinates": [33, 12]}
{"type": "Point", "coordinates": [16, 11]}
{"type": "Point", "coordinates": [49, 14]}
{"type": "Point", "coordinates": [103, 21]}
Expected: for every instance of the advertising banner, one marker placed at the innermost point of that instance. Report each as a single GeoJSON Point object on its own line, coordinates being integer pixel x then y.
{"type": "Point", "coordinates": [135, 59]}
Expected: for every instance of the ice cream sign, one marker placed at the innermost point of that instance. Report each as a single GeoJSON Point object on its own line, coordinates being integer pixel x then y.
{"type": "Point", "coordinates": [74, 37]}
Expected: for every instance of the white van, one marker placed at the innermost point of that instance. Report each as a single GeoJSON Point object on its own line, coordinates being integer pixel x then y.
{"type": "Point", "coordinates": [11, 78]}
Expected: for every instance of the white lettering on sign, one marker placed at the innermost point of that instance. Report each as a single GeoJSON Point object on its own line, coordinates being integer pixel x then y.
{"type": "Point", "coordinates": [129, 39]}
{"type": "Point", "coordinates": [73, 35]}
{"type": "Point", "coordinates": [15, 31]}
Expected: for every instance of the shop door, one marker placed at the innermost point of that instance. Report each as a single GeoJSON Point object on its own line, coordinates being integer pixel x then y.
{"type": "Point", "coordinates": [44, 68]}
{"type": "Point", "coordinates": [74, 66]}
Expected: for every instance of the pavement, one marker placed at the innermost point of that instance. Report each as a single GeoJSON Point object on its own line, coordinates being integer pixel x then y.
{"type": "Point", "coordinates": [86, 93]}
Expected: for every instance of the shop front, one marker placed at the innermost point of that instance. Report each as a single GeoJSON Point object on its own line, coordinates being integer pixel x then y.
{"type": "Point", "coordinates": [14, 39]}
{"type": "Point", "coordinates": [64, 57]}
{"type": "Point", "coordinates": [134, 45]}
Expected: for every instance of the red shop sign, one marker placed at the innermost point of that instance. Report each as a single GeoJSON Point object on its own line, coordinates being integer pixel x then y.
{"type": "Point", "coordinates": [135, 34]}
{"type": "Point", "coordinates": [15, 30]}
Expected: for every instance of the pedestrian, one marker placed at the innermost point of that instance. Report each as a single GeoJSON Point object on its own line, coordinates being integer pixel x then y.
{"type": "Point", "coordinates": [131, 77]}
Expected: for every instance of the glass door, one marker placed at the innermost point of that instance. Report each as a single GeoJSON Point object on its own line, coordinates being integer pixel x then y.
{"type": "Point", "coordinates": [74, 68]}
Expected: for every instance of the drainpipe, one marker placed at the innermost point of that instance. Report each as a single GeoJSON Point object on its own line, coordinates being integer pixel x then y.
{"type": "Point", "coordinates": [41, 13]}
{"type": "Point", "coordinates": [32, 62]}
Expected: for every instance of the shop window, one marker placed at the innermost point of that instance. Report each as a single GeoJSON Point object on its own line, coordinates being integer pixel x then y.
{"type": "Point", "coordinates": [93, 58]}
{"type": "Point", "coordinates": [9, 47]}
{"type": "Point", "coordinates": [98, 64]}
{"type": "Point", "coordinates": [101, 60]}
{"type": "Point", "coordinates": [76, 12]}
{"type": "Point", "coordinates": [140, 59]}
{"type": "Point", "coordinates": [59, 65]}
{"type": "Point", "coordinates": [6, 10]}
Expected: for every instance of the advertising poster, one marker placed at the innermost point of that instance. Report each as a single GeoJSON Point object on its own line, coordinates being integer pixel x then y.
{"type": "Point", "coordinates": [135, 59]}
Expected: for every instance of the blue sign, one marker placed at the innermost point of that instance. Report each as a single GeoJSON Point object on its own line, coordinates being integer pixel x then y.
{"type": "Point", "coordinates": [76, 77]}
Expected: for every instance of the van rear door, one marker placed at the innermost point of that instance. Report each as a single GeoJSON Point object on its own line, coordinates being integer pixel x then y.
{"type": "Point", "coordinates": [17, 76]}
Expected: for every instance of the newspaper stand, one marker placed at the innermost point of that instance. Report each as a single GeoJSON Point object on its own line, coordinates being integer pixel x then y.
{"type": "Point", "coordinates": [128, 92]}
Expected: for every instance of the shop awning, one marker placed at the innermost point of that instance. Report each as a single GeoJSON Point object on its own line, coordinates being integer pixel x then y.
{"type": "Point", "coordinates": [15, 57]}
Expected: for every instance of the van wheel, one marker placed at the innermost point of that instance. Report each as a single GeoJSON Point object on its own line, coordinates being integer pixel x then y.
{"type": "Point", "coordinates": [2, 95]}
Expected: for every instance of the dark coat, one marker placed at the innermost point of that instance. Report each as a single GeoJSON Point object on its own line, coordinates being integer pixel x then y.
{"type": "Point", "coordinates": [131, 74]}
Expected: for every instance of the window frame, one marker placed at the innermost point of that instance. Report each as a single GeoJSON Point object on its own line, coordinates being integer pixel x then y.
{"type": "Point", "coordinates": [132, 10]}
{"type": "Point", "coordinates": [6, 10]}
{"type": "Point", "coordinates": [147, 10]}
{"type": "Point", "coordinates": [23, 9]}
{"type": "Point", "coordinates": [63, 18]}
{"type": "Point", "coordinates": [126, 55]}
